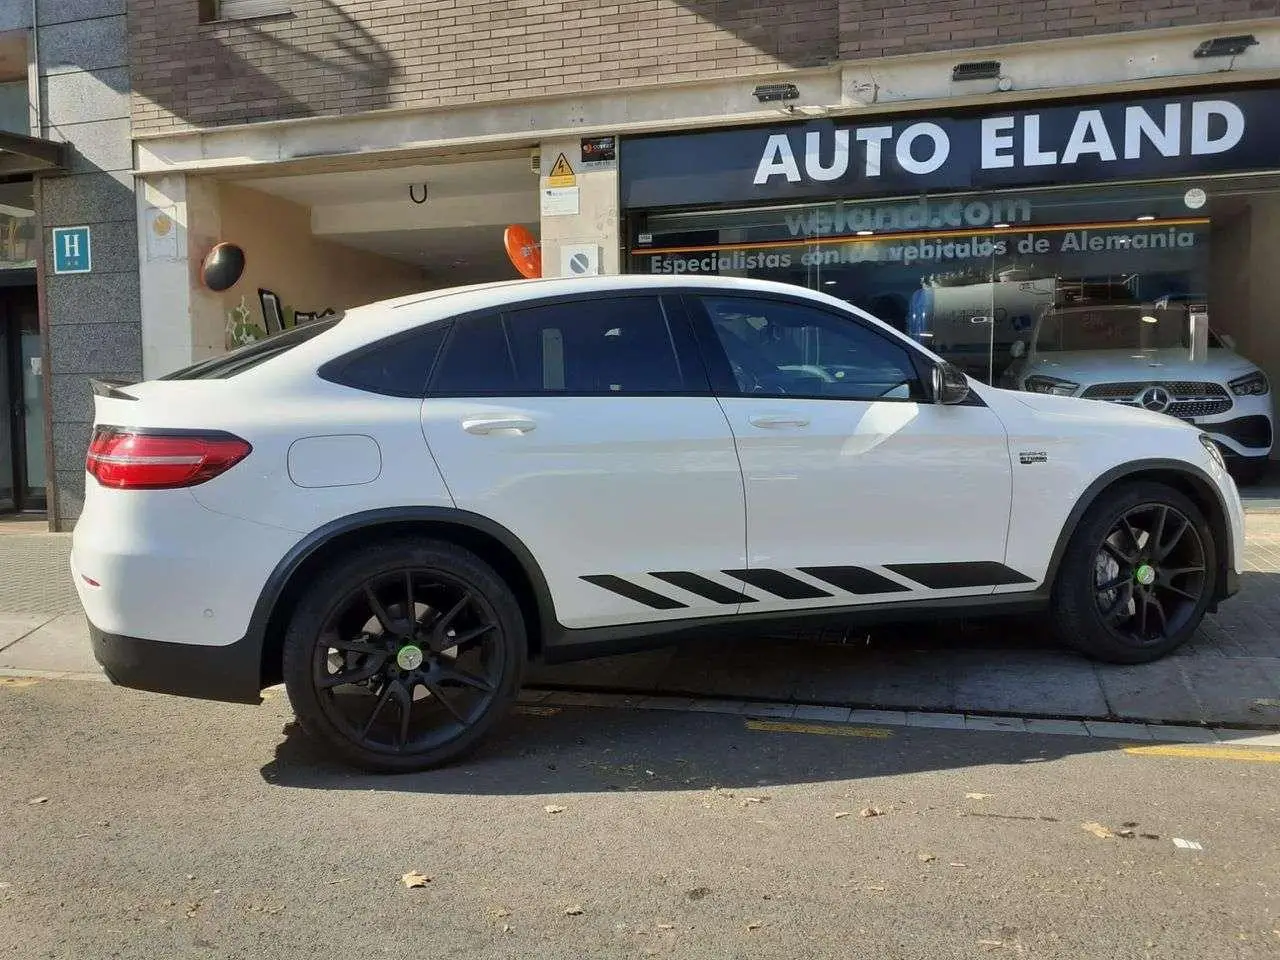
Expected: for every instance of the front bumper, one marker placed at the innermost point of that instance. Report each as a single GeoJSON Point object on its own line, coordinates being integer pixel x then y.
{"type": "Point", "coordinates": [230, 672]}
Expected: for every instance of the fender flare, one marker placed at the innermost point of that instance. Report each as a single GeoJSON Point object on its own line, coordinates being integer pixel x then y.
{"type": "Point", "coordinates": [1131, 469]}
{"type": "Point", "coordinates": [274, 587]}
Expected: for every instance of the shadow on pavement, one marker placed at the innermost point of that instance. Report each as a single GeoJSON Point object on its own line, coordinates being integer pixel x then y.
{"type": "Point", "coordinates": [577, 750]}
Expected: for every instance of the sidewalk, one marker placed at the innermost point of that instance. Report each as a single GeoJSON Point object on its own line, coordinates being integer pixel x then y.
{"type": "Point", "coordinates": [1228, 675]}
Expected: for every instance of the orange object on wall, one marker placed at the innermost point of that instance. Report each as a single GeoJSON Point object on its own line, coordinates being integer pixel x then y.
{"type": "Point", "coordinates": [524, 250]}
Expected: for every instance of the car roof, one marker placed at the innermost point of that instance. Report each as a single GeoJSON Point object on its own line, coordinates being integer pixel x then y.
{"type": "Point", "coordinates": [390, 316]}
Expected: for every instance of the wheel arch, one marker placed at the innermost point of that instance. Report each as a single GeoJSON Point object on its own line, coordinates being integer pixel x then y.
{"type": "Point", "coordinates": [1184, 477]}
{"type": "Point", "coordinates": [490, 541]}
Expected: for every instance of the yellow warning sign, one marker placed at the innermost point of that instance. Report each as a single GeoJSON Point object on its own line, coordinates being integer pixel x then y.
{"type": "Point", "coordinates": [561, 174]}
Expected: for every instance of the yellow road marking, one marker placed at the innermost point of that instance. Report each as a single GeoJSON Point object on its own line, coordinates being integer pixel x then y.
{"type": "Point", "coordinates": [18, 681]}
{"type": "Point", "coordinates": [824, 729]}
{"type": "Point", "coordinates": [1208, 752]}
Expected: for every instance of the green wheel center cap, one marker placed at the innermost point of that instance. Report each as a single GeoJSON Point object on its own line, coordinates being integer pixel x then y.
{"type": "Point", "coordinates": [409, 657]}
{"type": "Point", "coordinates": [1145, 574]}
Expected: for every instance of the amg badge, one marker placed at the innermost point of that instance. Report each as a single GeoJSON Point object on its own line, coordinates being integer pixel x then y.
{"type": "Point", "coordinates": [1033, 456]}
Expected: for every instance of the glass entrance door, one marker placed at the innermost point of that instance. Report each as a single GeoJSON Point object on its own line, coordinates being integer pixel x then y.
{"type": "Point", "coordinates": [22, 474]}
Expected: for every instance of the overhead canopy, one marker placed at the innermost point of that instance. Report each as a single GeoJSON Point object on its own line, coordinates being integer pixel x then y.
{"type": "Point", "coordinates": [21, 155]}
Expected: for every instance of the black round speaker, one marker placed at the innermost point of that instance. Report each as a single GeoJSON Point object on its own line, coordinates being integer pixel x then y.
{"type": "Point", "coordinates": [223, 267]}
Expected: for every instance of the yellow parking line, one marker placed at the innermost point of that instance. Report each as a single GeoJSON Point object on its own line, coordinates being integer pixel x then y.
{"type": "Point", "coordinates": [824, 729]}
{"type": "Point", "coordinates": [1207, 752]}
{"type": "Point", "coordinates": [18, 681]}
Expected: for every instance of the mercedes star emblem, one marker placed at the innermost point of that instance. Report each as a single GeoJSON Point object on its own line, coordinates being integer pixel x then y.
{"type": "Point", "coordinates": [1155, 399]}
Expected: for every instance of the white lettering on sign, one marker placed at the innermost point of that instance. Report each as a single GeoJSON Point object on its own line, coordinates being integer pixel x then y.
{"type": "Point", "coordinates": [71, 246]}
{"type": "Point", "coordinates": [1201, 115]}
{"type": "Point", "coordinates": [1106, 135]}
{"type": "Point", "coordinates": [941, 148]}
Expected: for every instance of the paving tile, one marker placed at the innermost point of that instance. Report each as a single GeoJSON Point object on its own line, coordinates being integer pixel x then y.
{"type": "Point", "coordinates": [1150, 691]}
{"type": "Point", "coordinates": [1174, 733]}
{"type": "Point", "coordinates": [773, 711]}
{"type": "Point", "coordinates": [940, 721]}
{"type": "Point", "coordinates": [1014, 724]}
{"type": "Point", "coordinates": [1031, 682]}
{"type": "Point", "coordinates": [15, 626]}
{"type": "Point", "coordinates": [1247, 738]}
{"type": "Point", "coordinates": [61, 645]}
{"type": "Point", "coordinates": [807, 711]}
{"type": "Point", "coordinates": [887, 718]}
{"type": "Point", "coordinates": [1118, 731]}
{"type": "Point", "coordinates": [1074, 728]}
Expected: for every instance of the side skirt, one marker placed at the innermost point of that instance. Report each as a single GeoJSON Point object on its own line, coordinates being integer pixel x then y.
{"type": "Point", "coordinates": [566, 645]}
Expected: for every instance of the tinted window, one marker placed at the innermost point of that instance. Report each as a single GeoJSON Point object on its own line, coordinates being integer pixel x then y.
{"type": "Point", "coordinates": [477, 360]}
{"type": "Point", "coordinates": [614, 345]}
{"type": "Point", "coordinates": [397, 367]}
{"type": "Point", "coordinates": [251, 355]}
{"type": "Point", "coordinates": [778, 348]}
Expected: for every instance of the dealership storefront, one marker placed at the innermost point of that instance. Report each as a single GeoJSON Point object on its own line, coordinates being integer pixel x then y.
{"type": "Point", "coordinates": [1098, 248]}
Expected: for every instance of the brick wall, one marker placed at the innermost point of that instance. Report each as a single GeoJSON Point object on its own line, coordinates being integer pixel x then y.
{"type": "Point", "coordinates": [349, 56]}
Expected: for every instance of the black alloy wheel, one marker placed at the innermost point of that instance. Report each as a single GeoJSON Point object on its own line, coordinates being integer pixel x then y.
{"type": "Point", "coordinates": [403, 656]}
{"type": "Point", "coordinates": [1138, 575]}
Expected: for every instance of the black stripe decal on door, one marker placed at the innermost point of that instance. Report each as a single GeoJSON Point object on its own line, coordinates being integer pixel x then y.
{"type": "Point", "coordinates": [855, 579]}
{"type": "Point", "coordinates": [779, 584]}
{"type": "Point", "coordinates": [692, 582]}
{"type": "Point", "coordinates": [625, 588]}
{"type": "Point", "coordinates": [953, 576]}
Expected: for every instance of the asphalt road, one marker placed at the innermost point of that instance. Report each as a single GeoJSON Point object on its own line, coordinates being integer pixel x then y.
{"type": "Point", "coordinates": [171, 828]}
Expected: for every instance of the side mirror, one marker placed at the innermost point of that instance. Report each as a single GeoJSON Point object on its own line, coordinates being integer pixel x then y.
{"type": "Point", "coordinates": [950, 385]}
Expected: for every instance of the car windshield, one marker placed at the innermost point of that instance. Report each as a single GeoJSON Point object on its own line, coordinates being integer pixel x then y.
{"type": "Point", "coordinates": [1116, 327]}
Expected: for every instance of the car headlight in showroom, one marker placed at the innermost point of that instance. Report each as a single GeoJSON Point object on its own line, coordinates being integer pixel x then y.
{"type": "Point", "coordinates": [1059, 388]}
{"type": "Point", "coordinates": [1214, 450]}
{"type": "Point", "coordinates": [1251, 385]}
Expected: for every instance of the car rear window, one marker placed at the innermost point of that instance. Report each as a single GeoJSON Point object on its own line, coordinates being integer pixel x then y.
{"type": "Point", "coordinates": [253, 354]}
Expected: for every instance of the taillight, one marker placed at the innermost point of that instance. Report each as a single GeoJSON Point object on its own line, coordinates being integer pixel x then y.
{"type": "Point", "coordinates": [142, 460]}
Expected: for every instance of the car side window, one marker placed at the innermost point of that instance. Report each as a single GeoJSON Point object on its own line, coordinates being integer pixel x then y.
{"type": "Point", "coordinates": [599, 346]}
{"type": "Point", "coordinates": [786, 349]}
{"type": "Point", "coordinates": [396, 367]}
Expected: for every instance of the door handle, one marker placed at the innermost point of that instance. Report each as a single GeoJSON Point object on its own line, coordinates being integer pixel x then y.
{"type": "Point", "coordinates": [774, 422]}
{"type": "Point", "coordinates": [482, 426]}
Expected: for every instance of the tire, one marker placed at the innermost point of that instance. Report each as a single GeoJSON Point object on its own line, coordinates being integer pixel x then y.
{"type": "Point", "coordinates": [453, 667]}
{"type": "Point", "coordinates": [1096, 588]}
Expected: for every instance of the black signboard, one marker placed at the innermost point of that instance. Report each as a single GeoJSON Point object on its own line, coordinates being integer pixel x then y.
{"type": "Point", "coordinates": [1211, 132]}
{"type": "Point", "coordinates": [599, 149]}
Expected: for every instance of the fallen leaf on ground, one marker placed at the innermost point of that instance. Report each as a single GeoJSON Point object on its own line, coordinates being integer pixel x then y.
{"type": "Point", "coordinates": [977, 796]}
{"type": "Point", "coordinates": [991, 944]}
{"type": "Point", "coordinates": [747, 800]}
{"type": "Point", "coordinates": [37, 800]}
{"type": "Point", "coordinates": [877, 889]}
{"type": "Point", "coordinates": [754, 926]}
{"type": "Point", "coordinates": [842, 814]}
{"type": "Point", "coordinates": [1127, 834]}
{"type": "Point", "coordinates": [500, 912]}
{"type": "Point", "coordinates": [871, 812]}
{"type": "Point", "coordinates": [573, 911]}
{"type": "Point", "coordinates": [666, 926]}
{"type": "Point", "coordinates": [957, 863]}
{"type": "Point", "coordinates": [414, 879]}
{"type": "Point", "coordinates": [192, 908]}
{"type": "Point", "coordinates": [926, 857]}
{"type": "Point", "coordinates": [553, 808]}
{"type": "Point", "coordinates": [1097, 829]}
{"type": "Point", "coordinates": [506, 928]}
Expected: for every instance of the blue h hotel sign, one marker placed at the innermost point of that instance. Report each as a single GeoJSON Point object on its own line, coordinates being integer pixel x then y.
{"type": "Point", "coordinates": [72, 251]}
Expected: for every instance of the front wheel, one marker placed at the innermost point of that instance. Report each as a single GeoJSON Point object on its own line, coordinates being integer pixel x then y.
{"type": "Point", "coordinates": [1137, 577]}
{"type": "Point", "coordinates": [403, 655]}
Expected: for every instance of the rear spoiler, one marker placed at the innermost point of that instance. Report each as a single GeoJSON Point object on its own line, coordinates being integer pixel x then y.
{"type": "Point", "coordinates": [110, 388]}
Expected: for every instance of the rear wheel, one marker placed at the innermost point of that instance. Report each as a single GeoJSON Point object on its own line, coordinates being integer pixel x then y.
{"type": "Point", "coordinates": [1137, 577]}
{"type": "Point", "coordinates": [403, 655]}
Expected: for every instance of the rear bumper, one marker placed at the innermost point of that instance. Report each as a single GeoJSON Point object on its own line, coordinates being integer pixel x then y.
{"type": "Point", "coordinates": [229, 673]}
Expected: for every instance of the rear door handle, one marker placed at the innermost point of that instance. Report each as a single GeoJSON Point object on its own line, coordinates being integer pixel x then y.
{"type": "Point", "coordinates": [482, 426]}
{"type": "Point", "coordinates": [771, 422]}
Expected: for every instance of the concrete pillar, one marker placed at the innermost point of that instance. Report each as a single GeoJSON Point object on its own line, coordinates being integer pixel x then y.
{"type": "Point", "coordinates": [595, 226]}
{"type": "Point", "coordinates": [178, 223]}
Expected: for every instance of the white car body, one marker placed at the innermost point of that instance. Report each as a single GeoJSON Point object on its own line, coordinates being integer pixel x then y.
{"type": "Point", "coordinates": [706, 503]}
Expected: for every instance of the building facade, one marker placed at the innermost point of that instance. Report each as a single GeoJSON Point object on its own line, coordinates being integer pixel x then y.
{"type": "Point", "coordinates": [69, 282]}
{"type": "Point", "coordinates": [998, 181]}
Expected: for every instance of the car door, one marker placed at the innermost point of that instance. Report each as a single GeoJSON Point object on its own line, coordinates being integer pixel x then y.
{"type": "Point", "coordinates": [586, 426]}
{"type": "Point", "coordinates": [859, 489]}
